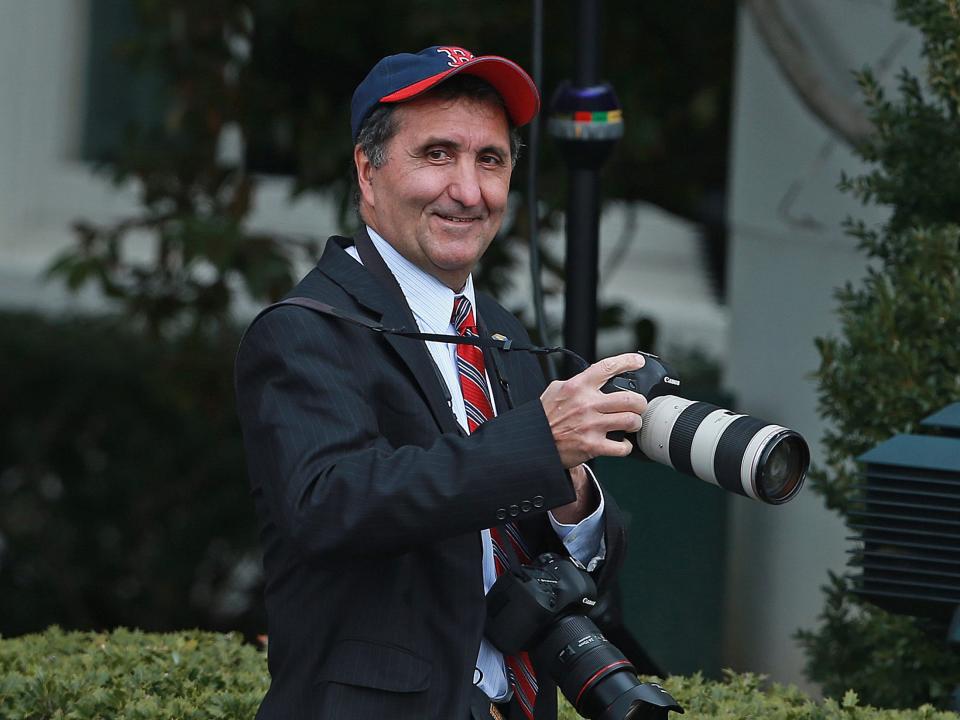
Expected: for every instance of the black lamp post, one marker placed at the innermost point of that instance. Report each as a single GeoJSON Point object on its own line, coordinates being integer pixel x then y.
{"type": "Point", "coordinates": [586, 120]}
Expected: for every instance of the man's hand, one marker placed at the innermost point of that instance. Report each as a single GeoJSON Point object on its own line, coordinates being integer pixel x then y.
{"type": "Point", "coordinates": [580, 416]}
{"type": "Point", "coordinates": [586, 502]}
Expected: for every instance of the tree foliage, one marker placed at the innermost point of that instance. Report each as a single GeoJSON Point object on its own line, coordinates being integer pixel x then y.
{"type": "Point", "coordinates": [889, 660]}
{"type": "Point", "coordinates": [176, 263]}
{"type": "Point", "coordinates": [897, 358]}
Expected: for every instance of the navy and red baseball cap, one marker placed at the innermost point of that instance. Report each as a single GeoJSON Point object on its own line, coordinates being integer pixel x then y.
{"type": "Point", "coordinates": [397, 78]}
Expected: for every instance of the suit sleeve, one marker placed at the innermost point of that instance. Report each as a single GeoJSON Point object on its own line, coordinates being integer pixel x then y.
{"type": "Point", "coordinates": [331, 482]}
{"type": "Point", "coordinates": [539, 530]}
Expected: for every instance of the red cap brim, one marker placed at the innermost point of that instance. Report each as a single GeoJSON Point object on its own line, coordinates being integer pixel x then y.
{"type": "Point", "coordinates": [517, 89]}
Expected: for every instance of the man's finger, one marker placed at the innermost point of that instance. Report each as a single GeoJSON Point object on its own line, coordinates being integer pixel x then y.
{"type": "Point", "coordinates": [614, 448]}
{"type": "Point", "coordinates": [626, 421]}
{"type": "Point", "coordinates": [598, 373]}
{"type": "Point", "coordinates": [621, 401]}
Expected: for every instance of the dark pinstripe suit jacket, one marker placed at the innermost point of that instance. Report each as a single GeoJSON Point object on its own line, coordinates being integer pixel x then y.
{"type": "Point", "coordinates": [371, 503]}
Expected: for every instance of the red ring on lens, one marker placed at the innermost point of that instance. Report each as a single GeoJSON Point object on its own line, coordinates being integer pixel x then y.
{"type": "Point", "coordinates": [595, 676]}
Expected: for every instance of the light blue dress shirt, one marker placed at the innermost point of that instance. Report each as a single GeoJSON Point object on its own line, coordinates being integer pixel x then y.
{"type": "Point", "coordinates": [432, 304]}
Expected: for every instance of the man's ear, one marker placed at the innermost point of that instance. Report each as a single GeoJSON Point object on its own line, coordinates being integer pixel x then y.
{"type": "Point", "coordinates": [364, 175]}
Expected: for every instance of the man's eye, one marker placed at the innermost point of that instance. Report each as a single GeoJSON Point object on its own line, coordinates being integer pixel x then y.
{"type": "Point", "coordinates": [437, 154]}
{"type": "Point", "coordinates": [490, 160]}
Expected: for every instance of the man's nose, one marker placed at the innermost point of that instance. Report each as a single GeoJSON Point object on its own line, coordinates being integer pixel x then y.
{"type": "Point", "coordinates": [465, 185]}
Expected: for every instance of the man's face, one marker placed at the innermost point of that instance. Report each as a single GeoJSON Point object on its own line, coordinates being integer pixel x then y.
{"type": "Point", "coordinates": [439, 197]}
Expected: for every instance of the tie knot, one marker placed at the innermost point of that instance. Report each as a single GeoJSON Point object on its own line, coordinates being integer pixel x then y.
{"type": "Point", "coordinates": [462, 318]}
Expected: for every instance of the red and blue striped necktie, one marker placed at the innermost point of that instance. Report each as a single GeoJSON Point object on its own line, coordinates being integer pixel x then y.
{"type": "Point", "coordinates": [473, 384]}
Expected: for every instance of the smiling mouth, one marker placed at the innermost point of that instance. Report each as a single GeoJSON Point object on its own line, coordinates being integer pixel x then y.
{"type": "Point", "coordinates": [454, 218]}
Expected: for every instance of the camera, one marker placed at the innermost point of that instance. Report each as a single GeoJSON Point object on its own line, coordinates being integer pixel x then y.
{"type": "Point", "coordinates": [543, 608]}
{"type": "Point", "coordinates": [740, 453]}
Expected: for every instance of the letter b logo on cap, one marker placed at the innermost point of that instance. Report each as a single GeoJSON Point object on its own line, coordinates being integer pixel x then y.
{"type": "Point", "coordinates": [457, 55]}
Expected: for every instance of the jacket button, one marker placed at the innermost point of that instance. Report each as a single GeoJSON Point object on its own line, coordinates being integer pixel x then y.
{"type": "Point", "coordinates": [538, 501]}
{"type": "Point", "coordinates": [526, 505]}
{"type": "Point", "coordinates": [501, 514]}
{"type": "Point", "coordinates": [514, 511]}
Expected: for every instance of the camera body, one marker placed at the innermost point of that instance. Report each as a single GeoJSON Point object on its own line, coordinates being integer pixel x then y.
{"type": "Point", "coordinates": [652, 380]}
{"type": "Point", "coordinates": [542, 608]}
{"type": "Point", "coordinates": [523, 603]}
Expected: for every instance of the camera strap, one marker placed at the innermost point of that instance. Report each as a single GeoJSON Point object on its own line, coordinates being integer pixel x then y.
{"type": "Point", "coordinates": [496, 341]}
{"type": "Point", "coordinates": [373, 262]}
{"type": "Point", "coordinates": [377, 267]}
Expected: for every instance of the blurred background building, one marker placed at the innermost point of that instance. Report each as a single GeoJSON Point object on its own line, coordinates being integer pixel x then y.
{"type": "Point", "coordinates": [788, 254]}
{"type": "Point", "coordinates": [753, 314]}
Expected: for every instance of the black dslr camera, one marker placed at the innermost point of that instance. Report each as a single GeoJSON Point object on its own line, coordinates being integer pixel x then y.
{"type": "Point", "coordinates": [543, 608]}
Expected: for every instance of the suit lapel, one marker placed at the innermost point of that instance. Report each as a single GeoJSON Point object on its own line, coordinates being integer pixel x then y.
{"type": "Point", "coordinates": [484, 310]}
{"type": "Point", "coordinates": [499, 397]}
{"type": "Point", "coordinates": [367, 290]}
{"type": "Point", "coordinates": [415, 354]}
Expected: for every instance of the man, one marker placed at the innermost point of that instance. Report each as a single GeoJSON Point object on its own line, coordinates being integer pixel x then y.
{"type": "Point", "coordinates": [395, 478]}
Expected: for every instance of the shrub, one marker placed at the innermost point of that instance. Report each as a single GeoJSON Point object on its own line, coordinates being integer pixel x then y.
{"type": "Point", "coordinates": [130, 675]}
{"type": "Point", "coordinates": [123, 493]}
{"type": "Point", "coordinates": [192, 675]}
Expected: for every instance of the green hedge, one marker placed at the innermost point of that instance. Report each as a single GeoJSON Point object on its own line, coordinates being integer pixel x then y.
{"type": "Point", "coordinates": [131, 675]}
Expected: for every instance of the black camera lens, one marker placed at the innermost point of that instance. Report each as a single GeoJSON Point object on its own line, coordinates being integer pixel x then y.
{"type": "Point", "coordinates": [538, 608]}
{"type": "Point", "coordinates": [595, 676]}
{"type": "Point", "coordinates": [647, 701]}
{"type": "Point", "coordinates": [580, 658]}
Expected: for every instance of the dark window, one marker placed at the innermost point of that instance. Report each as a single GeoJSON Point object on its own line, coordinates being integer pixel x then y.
{"type": "Point", "coordinates": [117, 95]}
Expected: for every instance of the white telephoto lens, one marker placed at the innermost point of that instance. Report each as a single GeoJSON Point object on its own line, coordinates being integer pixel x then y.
{"type": "Point", "coordinates": [658, 421]}
{"type": "Point", "coordinates": [740, 453]}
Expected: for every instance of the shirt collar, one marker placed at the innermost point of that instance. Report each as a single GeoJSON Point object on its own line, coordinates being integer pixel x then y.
{"type": "Point", "coordinates": [430, 300]}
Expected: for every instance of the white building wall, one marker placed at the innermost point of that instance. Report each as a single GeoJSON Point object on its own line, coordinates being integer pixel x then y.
{"type": "Point", "coordinates": [788, 254]}
{"type": "Point", "coordinates": [44, 187]}
{"type": "Point", "coordinates": [40, 49]}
